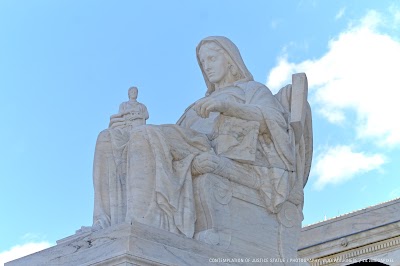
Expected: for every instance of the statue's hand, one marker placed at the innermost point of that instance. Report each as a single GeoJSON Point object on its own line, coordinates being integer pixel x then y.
{"type": "Point", "coordinates": [205, 106]}
{"type": "Point", "coordinates": [206, 162]}
{"type": "Point", "coordinates": [116, 121]}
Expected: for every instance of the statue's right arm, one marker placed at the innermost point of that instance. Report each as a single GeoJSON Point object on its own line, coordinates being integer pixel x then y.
{"type": "Point", "coordinates": [116, 121]}
{"type": "Point", "coordinates": [209, 162]}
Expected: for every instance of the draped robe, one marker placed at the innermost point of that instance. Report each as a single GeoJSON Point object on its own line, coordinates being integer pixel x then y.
{"type": "Point", "coordinates": [158, 176]}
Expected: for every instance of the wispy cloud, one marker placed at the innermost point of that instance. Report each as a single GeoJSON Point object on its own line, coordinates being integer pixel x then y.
{"type": "Point", "coordinates": [33, 237]}
{"type": "Point", "coordinates": [395, 193]}
{"type": "Point", "coordinates": [307, 3]}
{"type": "Point", "coordinates": [340, 14]}
{"type": "Point", "coordinates": [274, 24]}
{"type": "Point", "coordinates": [19, 251]}
{"type": "Point", "coordinates": [339, 164]}
{"type": "Point", "coordinates": [359, 72]}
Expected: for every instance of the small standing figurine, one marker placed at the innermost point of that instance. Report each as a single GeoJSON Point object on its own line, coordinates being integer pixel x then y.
{"type": "Point", "coordinates": [133, 112]}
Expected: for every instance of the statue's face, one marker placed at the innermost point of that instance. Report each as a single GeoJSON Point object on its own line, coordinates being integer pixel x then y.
{"type": "Point", "coordinates": [132, 94]}
{"type": "Point", "coordinates": [214, 63]}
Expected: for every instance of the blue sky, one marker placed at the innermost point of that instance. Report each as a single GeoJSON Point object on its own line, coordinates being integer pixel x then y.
{"type": "Point", "coordinates": [65, 66]}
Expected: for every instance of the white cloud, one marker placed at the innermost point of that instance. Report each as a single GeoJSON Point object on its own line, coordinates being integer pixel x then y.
{"type": "Point", "coordinates": [359, 72]}
{"type": "Point", "coordinates": [19, 251]}
{"type": "Point", "coordinates": [339, 164]}
{"type": "Point", "coordinates": [278, 76]}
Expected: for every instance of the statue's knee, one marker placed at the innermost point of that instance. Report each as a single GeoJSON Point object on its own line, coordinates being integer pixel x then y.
{"type": "Point", "coordinates": [104, 136]}
{"type": "Point", "coordinates": [140, 133]}
{"type": "Point", "coordinates": [103, 143]}
{"type": "Point", "coordinates": [136, 136]}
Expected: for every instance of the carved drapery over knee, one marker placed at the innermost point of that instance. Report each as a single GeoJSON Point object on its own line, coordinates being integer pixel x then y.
{"type": "Point", "coordinates": [109, 179]}
{"type": "Point", "coordinates": [213, 195]}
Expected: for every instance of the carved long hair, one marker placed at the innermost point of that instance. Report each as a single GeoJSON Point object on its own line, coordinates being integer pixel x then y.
{"type": "Point", "coordinates": [232, 52]}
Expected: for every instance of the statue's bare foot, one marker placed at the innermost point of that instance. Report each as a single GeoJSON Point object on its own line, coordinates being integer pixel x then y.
{"type": "Point", "coordinates": [209, 236]}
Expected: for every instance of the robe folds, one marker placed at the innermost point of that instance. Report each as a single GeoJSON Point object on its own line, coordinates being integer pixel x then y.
{"type": "Point", "coordinates": [148, 177]}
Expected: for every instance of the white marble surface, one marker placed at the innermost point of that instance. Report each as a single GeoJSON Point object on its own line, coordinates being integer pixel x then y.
{"type": "Point", "coordinates": [240, 132]}
{"type": "Point", "coordinates": [139, 244]}
{"type": "Point", "coordinates": [229, 174]}
{"type": "Point", "coordinates": [371, 233]}
{"type": "Point", "coordinates": [357, 221]}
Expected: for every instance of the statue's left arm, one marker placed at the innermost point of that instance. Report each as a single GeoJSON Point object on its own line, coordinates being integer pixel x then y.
{"type": "Point", "coordinates": [145, 112]}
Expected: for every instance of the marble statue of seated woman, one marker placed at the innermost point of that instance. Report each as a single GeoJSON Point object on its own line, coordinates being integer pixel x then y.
{"type": "Point", "coordinates": [239, 132]}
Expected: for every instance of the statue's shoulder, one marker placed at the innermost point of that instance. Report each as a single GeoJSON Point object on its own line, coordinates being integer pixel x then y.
{"type": "Point", "coordinates": [142, 105]}
{"type": "Point", "coordinates": [254, 87]}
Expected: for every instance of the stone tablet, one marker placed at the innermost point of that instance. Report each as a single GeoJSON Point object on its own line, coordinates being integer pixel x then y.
{"type": "Point", "coordinates": [236, 138]}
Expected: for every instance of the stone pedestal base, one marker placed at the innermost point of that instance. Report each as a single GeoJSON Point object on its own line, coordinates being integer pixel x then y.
{"type": "Point", "coordinates": [124, 244]}
{"type": "Point", "coordinates": [135, 244]}
{"type": "Point", "coordinates": [233, 227]}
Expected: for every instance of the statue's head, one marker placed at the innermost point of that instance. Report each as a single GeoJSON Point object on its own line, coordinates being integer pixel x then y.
{"type": "Point", "coordinates": [217, 64]}
{"type": "Point", "coordinates": [221, 63]}
{"type": "Point", "coordinates": [133, 93]}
